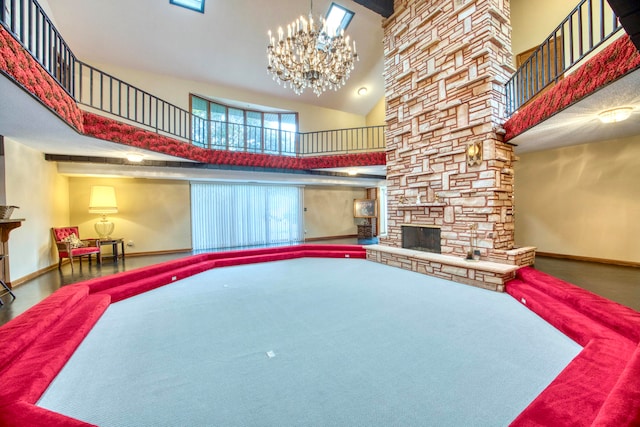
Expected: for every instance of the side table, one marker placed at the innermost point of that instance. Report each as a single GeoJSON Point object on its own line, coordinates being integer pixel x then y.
{"type": "Point", "coordinates": [114, 242]}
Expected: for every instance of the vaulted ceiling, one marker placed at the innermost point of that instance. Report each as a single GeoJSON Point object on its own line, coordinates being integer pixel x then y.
{"type": "Point", "coordinates": [226, 46]}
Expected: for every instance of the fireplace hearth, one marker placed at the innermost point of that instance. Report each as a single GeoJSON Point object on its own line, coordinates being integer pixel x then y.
{"type": "Point", "coordinates": [426, 239]}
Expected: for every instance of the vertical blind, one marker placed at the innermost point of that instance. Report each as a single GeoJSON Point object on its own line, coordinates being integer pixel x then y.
{"type": "Point", "coordinates": [235, 215]}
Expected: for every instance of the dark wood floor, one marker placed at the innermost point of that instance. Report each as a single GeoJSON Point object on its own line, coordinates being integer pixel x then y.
{"type": "Point", "coordinates": [617, 283]}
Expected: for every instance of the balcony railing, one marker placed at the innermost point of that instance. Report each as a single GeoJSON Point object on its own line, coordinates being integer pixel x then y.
{"type": "Point", "coordinates": [108, 94]}
{"type": "Point", "coordinates": [101, 91]}
{"type": "Point", "coordinates": [28, 23]}
{"type": "Point", "coordinates": [254, 139]}
{"type": "Point", "coordinates": [588, 26]}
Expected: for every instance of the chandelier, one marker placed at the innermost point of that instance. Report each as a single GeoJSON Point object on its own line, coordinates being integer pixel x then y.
{"type": "Point", "coordinates": [310, 56]}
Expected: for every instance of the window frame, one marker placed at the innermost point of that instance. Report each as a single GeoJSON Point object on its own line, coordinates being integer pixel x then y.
{"type": "Point", "coordinates": [181, 4]}
{"type": "Point", "coordinates": [346, 20]}
{"type": "Point", "coordinates": [244, 145]}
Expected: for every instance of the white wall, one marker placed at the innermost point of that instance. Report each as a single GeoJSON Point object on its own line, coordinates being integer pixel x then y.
{"type": "Point", "coordinates": [582, 200]}
{"type": "Point", "coordinates": [155, 215]}
{"type": "Point", "coordinates": [532, 21]}
{"type": "Point", "coordinates": [376, 116]}
{"type": "Point", "coordinates": [34, 185]}
{"type": "Point", "coordinates": [176, 91]}
{"type": "Point", "coordinates": [329, 211]}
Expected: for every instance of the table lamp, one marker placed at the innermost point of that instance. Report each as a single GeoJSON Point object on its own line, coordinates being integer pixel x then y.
{"type": "Point", "coordinates": [103, 202]}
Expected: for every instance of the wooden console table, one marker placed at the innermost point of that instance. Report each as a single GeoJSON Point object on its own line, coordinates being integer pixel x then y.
{"type": "Point", "coordinates": [6, 225]}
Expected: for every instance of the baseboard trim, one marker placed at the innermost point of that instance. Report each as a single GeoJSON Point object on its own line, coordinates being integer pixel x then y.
{"type": "Point", "coordinates": [170, 251]}
{"type": "Point", "coordinates": [35, 274]}
{"type": "Point", "coordinates": [38, 273]}
{"type": "Point", "coordinates": [319, 239]}
{"type": "Point", "coordinates": [589, 259]}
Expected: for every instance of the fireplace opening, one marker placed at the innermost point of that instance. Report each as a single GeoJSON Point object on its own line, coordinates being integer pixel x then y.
{"type": "Point", "coordinates": [425, 239]}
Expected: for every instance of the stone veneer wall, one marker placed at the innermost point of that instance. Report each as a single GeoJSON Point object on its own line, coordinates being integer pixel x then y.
{"type": "Point", "coordinates": [445, 66]}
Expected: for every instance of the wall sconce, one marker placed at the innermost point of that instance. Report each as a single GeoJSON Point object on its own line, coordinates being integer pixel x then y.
{"type": "Point", "coordinates": [474, 153]}
{"type": "Point", "coordinates": [103, 202]}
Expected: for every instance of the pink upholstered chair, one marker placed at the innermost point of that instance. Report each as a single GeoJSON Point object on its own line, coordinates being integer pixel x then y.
{"type": "Point", "coordinates": [73, 247]}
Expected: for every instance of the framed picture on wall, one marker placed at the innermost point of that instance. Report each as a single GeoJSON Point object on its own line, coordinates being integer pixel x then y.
{"type": "Point", "coordinates": [365, 208]}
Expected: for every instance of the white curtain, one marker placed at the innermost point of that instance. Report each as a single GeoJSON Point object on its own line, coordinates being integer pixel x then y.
{"type": "Point", "coordinates": [236, 215]}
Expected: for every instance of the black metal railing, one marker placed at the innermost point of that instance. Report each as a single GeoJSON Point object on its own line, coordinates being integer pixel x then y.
{"type": "Point", "coordinates": [351, 140]}
{"type": "Point", "coordinates": [96, 89]}
{"type": "Point", "coordinates": [108, 94]}
{"type": "Point", "coordinates": [255, 139]}
{"type": "Point", "coordinates": [231, 136]}
{"type": "Point", "coordinates": [28, 23]}
{"type": "Point", "coordinates": [589, 24]}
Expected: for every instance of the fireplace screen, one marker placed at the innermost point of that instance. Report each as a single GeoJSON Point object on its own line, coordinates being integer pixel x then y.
{"type": "Point", "coordinates": [425, 239]}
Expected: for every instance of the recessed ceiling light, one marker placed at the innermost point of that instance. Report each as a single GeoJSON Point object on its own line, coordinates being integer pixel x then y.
{"type": "Point", "coordinates": [135, 157]}
{"type": "Point", "coordinates": [615, 115]}
{"type": "Point", "coordinates": [362, 91]}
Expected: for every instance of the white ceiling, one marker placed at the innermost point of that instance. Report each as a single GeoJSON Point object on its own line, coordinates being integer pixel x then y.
{"type": "Point", "coordinates": [226, 45]}
{"type": "Point", "coordinates": [579, 124]}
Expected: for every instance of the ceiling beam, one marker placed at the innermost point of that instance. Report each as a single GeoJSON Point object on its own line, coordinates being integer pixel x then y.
{"type": "Point", "coordinates": [629, 13]}
{"type": "Point", "coordinates": [382, 7]}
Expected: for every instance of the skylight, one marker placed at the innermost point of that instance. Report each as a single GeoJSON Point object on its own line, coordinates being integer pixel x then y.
{"type": "Point", "coordinates": [197, 5]}
{"type": "Point", "coordinates": [338, 18]}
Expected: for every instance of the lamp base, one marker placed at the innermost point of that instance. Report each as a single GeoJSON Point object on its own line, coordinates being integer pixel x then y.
{"type": "Point", "coordinates": [104, 228]}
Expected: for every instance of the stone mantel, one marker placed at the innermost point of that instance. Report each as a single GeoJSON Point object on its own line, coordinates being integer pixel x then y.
{"type": "Point", "coordinates": [421, 205]}
{"type": "Point", "coordinates": [482, 274]}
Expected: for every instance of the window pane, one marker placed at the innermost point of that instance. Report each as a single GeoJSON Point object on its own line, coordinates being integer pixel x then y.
{"type": "Point", "coordinates": [254, 131]}
{"type": "Point", "coordinates": [236, 129]}
{"type": "Point", "coordinates": [199, 121]}
{"type": "Point", "coordinates": [197, 5]}
{"type": "Point", "coordinates": [218, 126]}
{"type": "Point", "coordinates": [272, 120]}
{"type": "Point", "coordinates": [289, 127]}
{"type": "Point", "coordinates": [338, 18]}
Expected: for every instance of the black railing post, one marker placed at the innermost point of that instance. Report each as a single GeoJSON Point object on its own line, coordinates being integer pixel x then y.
{"type": "Point", "coordinates": [530, 78]}
{"type": "Point", "coordinates": [21, 15]}
{"type": "Point", "coordinates": [13, 16]}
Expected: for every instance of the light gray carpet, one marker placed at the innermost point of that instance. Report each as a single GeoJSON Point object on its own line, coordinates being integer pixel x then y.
{"type": "Point", "coordinates": [311, 342]}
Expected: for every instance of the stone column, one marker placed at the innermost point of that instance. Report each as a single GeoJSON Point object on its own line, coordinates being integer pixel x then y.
{"type": "Point", "coordinates": [445, 65]}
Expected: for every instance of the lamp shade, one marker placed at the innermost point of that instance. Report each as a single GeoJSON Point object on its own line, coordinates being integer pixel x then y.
{"type": "Point", "coordinates": [103, 200]}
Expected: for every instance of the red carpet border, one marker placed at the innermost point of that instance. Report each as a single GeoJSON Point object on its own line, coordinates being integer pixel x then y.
{"type": "Point", "coordinates": [18, 64]}
{"type": "Point", "coordinates": [616, 60]}
{"type": "Point", "coordinates": [35, 346]}
{"type": "Point", "coordinates": [114, 131]}
{"type": "Point", "coordinates": [601, 386]}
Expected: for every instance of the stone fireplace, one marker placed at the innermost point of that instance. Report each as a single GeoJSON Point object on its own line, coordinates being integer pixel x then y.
{"type": "Point", "coordinates": [418, 238]}
{"type": "Point", "coordinates": [447, 165]}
